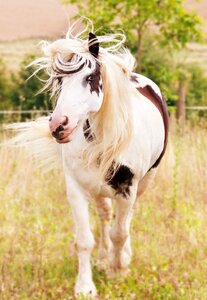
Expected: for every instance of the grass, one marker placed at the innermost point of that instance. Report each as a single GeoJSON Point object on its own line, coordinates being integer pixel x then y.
{"type": "Point", "coordinates": [169, 236]}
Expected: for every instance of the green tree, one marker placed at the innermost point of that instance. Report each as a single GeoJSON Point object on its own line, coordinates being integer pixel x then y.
{"type": "Point", "coordinates": [168, 19]}
{"type": "Point", "coordinates": [160, 67]}
{"type": "Point", "coordinates": [25, 92]}
{"type": "Point", "coordinates": [197, 88]}
{"type": "Point", "coordinates": [5, 102]}
{"type": "Point", "coordinates": [197, 92]}
{"type": "Point", "coordinates": [4, 86]}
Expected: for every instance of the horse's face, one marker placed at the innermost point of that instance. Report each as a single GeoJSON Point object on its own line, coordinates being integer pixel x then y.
{"type": "Point", "coordinates": [80, 94]}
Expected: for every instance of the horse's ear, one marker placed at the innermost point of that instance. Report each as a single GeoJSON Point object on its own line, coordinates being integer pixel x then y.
{"type": "Point", "coordinates": [93, 44]}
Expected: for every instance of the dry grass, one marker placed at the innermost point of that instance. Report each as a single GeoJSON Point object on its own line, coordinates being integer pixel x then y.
{"type": "Point", "coordinates": [169, 236]}
{"type": "Point", "coordinates": [14, 52]}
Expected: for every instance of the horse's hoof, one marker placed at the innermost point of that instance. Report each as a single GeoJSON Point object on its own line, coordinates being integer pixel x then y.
{"type": "Point", "coordinates": [85, 289]}
{"type": "Point", "coordinates": [102, 263]}
{"type": "Point", "coordinates": [117, 272]}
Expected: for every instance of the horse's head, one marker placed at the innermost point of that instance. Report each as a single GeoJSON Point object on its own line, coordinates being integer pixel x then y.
{"type": "Point", "coordinates": [80, 90]}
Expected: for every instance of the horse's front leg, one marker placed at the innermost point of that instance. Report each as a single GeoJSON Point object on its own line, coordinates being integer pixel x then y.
{"type": "Point", "coordinates": [84, 238]}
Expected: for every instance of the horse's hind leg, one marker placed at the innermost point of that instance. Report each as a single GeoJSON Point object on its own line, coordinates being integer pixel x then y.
{"type": "Point", "coordinates": [146, 181]}
{"type": "Point", "coordinates": [120, 237]}
{"type": "Point", "coordinates": [120, 233]}
{"type": "Point", "coordinates": [104, 210]}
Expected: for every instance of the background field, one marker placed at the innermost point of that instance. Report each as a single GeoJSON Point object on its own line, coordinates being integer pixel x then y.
{"type": "Point", "coordinates": [24, 23]}
{"type": "Point", "coordinates": [37, 244]}
{"type": "Point", "coordinates": [168, 230]}
{"type": "Point", "coordinates": [13, 52]}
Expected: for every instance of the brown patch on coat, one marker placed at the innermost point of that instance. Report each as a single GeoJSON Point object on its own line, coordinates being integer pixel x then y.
{"type": "Point", "coordinates": [88, 134]}
{"type": "Point", "coordinates": [134, 78]}
{"type": "Point", "coordinates": [161, 105]}
{"type": "Point", "coordinates": [121, 180]}
{"type": "Point", "coordinates": [94, 84]}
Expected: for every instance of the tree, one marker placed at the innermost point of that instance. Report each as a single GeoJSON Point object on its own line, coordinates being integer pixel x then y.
{"type": "Point", "coordinates": [168, 19]}
{"type": "Point", "coordinates": [4, 86]}
{"type": "Point", "coordinates": [25, 92]}
{"type": "Point", "coordinates": [197, 87]}
{"type": "Point", "coordinates": [5, 102]}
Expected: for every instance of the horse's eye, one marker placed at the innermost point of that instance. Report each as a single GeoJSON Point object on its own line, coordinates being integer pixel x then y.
{"type": "Point", "coordinates": [90, 78]}
{"type": "Point", "coordinates": [59, 79]}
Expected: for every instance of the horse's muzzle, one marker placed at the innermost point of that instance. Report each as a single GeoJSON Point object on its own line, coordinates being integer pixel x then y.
{"type": "Point", "coordinates": [60, 128]}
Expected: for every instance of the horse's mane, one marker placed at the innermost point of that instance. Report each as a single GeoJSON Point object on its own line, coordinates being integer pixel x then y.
{"type": "Point", "coordinates": [112, 125]}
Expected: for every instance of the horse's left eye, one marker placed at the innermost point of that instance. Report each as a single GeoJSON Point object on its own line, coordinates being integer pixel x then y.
{"type": "Point", "coordinates": [90, 78]}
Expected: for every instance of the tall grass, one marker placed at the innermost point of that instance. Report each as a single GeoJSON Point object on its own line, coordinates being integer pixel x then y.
{"type": "Point", "coordinates": [169, 236]}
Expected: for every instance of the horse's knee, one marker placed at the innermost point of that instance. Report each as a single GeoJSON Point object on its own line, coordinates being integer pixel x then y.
{"type": "Point", "coordinates": [118, 236]}
{"type": "Point", "coordinates": [85, 242]}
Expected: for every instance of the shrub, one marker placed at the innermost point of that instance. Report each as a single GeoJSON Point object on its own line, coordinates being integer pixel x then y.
{"type": "Point", "coordinates": [4, 86]}
{"type": "Point", "coordinates": [25, 92]}
{"type": "Point", "coordinates": [159, 66]}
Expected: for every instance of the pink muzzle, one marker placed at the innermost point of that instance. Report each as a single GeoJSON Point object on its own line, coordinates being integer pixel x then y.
{"type": "Point", "coordinates": [62, 127]}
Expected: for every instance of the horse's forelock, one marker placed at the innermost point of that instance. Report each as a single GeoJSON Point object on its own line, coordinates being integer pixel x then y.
{"type": "Point", "coordinates": [74, 64]}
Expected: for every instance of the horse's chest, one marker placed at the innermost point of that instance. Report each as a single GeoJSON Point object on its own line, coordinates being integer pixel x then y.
{"type": "Point", "coordinates": [86, 177]}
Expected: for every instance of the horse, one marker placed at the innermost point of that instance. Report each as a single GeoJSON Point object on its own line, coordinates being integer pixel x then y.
{"type": "Point", "coordinates": [109, 129]}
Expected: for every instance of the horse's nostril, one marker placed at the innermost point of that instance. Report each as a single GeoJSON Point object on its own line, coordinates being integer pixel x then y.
{"type": "Point", "coordinates": [50, 119]}
{"type": "Point", "coordinates": [57, 132]}
{"type": "Point", "coordinates": [60, 128]}
{"type": "Point", "coordinates": [65, 121]}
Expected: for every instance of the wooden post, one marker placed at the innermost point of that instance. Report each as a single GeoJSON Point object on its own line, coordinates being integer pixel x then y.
{"type": "Point", "coordinates": [180, 111]}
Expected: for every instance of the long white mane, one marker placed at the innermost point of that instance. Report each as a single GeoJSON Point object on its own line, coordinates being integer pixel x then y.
{"type": "Point", "coordinates": [112, 125]}
{"type": "Point", "coordinates": [35, 137]}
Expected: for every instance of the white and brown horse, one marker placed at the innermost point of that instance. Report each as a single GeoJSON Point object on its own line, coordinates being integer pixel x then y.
{"type": "Point", "coordinates": [110, 128]}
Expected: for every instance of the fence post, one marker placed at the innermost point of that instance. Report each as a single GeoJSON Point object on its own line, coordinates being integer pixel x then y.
{"type": "Point", "coordinates": [180, 109]}
{"type": "Point", "coordinates": [184, 77]}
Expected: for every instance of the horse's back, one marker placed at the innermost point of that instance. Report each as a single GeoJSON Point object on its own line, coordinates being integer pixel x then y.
{"type": "Point", "coordinates": [147, 88]}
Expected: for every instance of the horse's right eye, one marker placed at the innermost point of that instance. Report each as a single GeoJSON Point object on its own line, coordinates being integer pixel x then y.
{"type": "Point", "coordinates": [59, 80]}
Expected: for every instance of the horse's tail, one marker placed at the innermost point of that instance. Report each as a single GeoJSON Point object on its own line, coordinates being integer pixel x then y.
{"type": "Point", "coordinates": [35, 137]}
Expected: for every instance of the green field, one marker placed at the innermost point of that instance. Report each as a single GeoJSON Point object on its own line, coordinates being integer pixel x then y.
{"type": "Point", "coordinates": [169, 237]}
